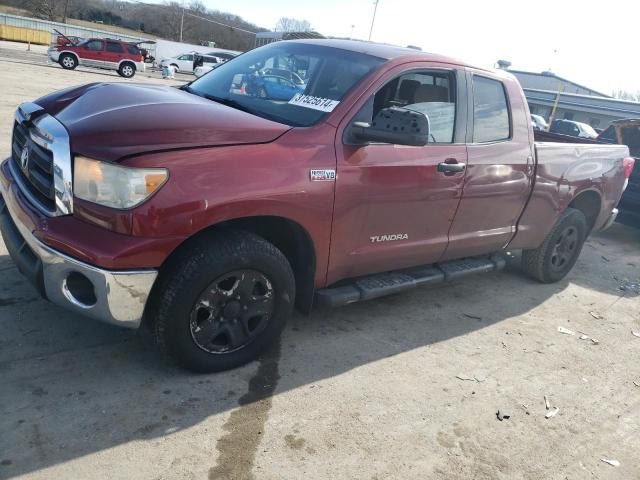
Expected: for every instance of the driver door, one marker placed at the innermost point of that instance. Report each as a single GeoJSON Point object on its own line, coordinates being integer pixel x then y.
{"type": "Point", "coordinates": [393, 207]}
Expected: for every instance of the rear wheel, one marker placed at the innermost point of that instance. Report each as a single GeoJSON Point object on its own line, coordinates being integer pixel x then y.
{"type": "Point", "coordinates": [68, 61]}
{"type": "Point", "coordinates": [557, 255]}
{"type": "Point", "coordinates": [222, 301]}
{"type": "Point", "coordinates": [127, 70]}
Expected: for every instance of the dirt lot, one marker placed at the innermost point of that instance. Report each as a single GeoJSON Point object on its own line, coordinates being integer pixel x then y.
{"type": "Point", "coordinates": [405, 387]}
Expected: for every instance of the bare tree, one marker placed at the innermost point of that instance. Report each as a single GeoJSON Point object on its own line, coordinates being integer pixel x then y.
{"type": "Point", "coordinates": [626, 95]}
{"type": "Point", "coordinates": [45, 9]}
{"type": "Point", "coordinates": [286, 24]}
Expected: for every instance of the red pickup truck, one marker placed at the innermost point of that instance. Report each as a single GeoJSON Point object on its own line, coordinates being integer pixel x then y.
{"type": "Point", "coordinates": [206, 212]}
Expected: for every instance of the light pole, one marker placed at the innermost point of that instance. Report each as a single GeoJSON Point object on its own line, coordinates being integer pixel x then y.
{"type": "Point", "coordinates": [182, 21]}
{"type": "Point", "coordinates": [375, 8]}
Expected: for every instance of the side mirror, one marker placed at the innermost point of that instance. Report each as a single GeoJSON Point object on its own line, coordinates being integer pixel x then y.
{"type": "Point", "coordinates": [394, 125]}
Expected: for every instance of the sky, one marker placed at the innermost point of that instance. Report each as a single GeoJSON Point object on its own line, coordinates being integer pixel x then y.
{"type": "Point", "coordinates": [591, 43]}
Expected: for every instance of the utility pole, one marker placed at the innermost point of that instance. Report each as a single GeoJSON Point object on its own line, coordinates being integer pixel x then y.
{"type": "Point", "coordinates": [64, 13]}
{"type": "Point", "coordinates": [182, 21]}
{"type": "Point", "coordinates": [375, 8]}
{"type": "Point", "coordinates": [555, 105]}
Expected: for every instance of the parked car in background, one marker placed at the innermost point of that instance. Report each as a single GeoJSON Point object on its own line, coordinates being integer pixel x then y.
{"type": "Point", "coordinates": [106, 53]}
{"type": "Point", "coordinates": [207, 212]}
{"type": "Point", "coordinates": [627, 132]}
{"type": "Point", "coordinates": [275, 87]}
{"type": "Point", "coordinates": [573, 129]}
{"type": "Point", "coordinates": [183, 63]}
{"type": "Point", "coordinates": [225, 55]}
{"type": "Point", "coordinates": [206, 68]}
{"type": "Point", "coordinates": [539, 123]}
{"type": "Point", "coordinates": [293, 77]}
{"type": "Point", "coordinates": [204, 63]}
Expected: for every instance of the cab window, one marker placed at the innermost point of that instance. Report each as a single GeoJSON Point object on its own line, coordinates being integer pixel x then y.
{"type": "Point", "coordinates": [428, 92]}
{"type": "Point", "coordinates": [96, 45]}
{"type": "Point", "coordinates": [490, 111]}
{"type": "Point", "coordinates": [609, 135]}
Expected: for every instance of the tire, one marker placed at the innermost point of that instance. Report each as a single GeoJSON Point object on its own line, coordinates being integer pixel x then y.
{"type": "Point", "coordinates": [196, 317]}
{"type": "Point", "coordinates": [127, 69]}
{"type": "Point", "coordinates": [68, 61]}
{"type": "Point", "coordinates": [176, 67]}
{"type": "Point", "coordinates": [557, 255]}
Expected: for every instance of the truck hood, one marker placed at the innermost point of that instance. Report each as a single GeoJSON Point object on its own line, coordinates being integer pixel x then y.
{"type": "Point", "coordinates": [110, 121]}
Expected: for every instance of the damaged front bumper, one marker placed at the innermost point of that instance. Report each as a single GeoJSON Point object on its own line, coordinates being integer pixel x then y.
{"type": "Point", "coordinates": [116, 297]}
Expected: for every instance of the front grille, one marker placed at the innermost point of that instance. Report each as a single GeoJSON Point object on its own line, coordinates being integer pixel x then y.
{"type": "Point", "coordinates": [36, 176]}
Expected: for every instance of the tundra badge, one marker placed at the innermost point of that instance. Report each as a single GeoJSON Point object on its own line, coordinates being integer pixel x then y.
{"type": "Point", "coordinates": [389, 238]}
{"type": "Point", "coordinates": [322, 175]}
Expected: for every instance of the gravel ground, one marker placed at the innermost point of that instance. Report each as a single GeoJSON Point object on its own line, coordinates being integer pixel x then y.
{"type": "Point", "coordinates": [404, 387]}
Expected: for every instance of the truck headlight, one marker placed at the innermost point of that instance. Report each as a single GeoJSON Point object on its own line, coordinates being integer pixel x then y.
{"type": "Point", "coordinates": [113, 185]}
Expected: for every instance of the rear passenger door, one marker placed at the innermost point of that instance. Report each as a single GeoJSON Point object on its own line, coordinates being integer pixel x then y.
{"type": "Point", "coordinates": [500, 167]}
{"type": "Point", "coordinates": [113, 54]}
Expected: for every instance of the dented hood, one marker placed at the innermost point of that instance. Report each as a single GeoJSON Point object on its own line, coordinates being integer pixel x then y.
{"type": "Point", "coordinates": [109, 121]}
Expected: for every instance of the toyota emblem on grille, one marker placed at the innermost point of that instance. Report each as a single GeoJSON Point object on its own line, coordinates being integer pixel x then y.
{"type": "Point", "coordinates": [24, 157]}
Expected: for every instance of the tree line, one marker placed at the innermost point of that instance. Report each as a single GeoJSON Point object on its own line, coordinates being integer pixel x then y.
{"type": "Point", "coordinates": [194, 23]}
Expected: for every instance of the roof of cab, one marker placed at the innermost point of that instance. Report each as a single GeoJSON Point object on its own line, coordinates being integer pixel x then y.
{"type": "Point", "coordinates": [385, 51]}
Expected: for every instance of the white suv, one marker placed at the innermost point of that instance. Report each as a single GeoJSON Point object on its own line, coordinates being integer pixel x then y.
{"type": "Point", "coordinates": [183, 63]}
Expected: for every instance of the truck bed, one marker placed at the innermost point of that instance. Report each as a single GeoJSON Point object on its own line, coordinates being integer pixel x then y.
{"type": "Point", "coordinates": [542, 136]}
{"type": "Point", "coordinates": [563, 171]}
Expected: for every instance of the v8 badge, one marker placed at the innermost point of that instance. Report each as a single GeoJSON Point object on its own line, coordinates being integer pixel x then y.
{"type": "Point", "coordinates": [323, 175]}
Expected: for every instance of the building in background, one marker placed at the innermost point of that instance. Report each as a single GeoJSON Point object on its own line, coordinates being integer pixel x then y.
{"type": "Point", "coordinates": [576, 102]}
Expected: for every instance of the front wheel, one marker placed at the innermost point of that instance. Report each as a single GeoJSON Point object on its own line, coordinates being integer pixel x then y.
{"type": "Point", "coordinates": [221, 301]}
{"type": "Point", "coordinates": [557, 255]}
{"type": "Point", "coordinates": [68, 61]}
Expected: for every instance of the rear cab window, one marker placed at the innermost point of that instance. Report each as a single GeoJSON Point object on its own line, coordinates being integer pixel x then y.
{"type": "Point", "coordinates": [609, 135]}
{"type": "Point", "coordinates": [491, 119]}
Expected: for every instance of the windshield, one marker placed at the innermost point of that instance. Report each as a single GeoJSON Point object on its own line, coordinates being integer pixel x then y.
{"type": "Point", "coordinates": [292, 83]}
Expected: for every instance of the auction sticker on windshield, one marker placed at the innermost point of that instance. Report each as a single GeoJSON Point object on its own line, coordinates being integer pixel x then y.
{"type": "Point", "coordinates": [316, 103]}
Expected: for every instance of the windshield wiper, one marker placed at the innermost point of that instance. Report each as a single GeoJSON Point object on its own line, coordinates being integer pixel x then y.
{"type": "Point", "coordinates": [224, 101]}
{"type": "Point", "coordinates": [228, 102]}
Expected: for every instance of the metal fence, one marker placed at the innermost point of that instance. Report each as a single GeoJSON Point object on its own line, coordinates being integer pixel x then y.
{"type": "Point", "coordinates": [66, 29]}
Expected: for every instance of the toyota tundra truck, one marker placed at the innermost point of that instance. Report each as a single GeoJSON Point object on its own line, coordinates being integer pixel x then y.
{"type": "Point", "coordinates": [206, 213]}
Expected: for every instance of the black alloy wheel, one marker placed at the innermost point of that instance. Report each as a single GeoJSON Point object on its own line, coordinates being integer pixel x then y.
{"type": "Point", "coordinates": [232, 311]}
{"type": "Point", "coordinates": [565, 248]}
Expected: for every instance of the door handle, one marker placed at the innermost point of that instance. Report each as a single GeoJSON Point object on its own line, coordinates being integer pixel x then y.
{"type": "Point", "coordinates": [450, 166]}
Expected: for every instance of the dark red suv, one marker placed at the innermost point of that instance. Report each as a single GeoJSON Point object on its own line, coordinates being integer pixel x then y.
{"type": "Point", "coordinates": [123, 57]}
